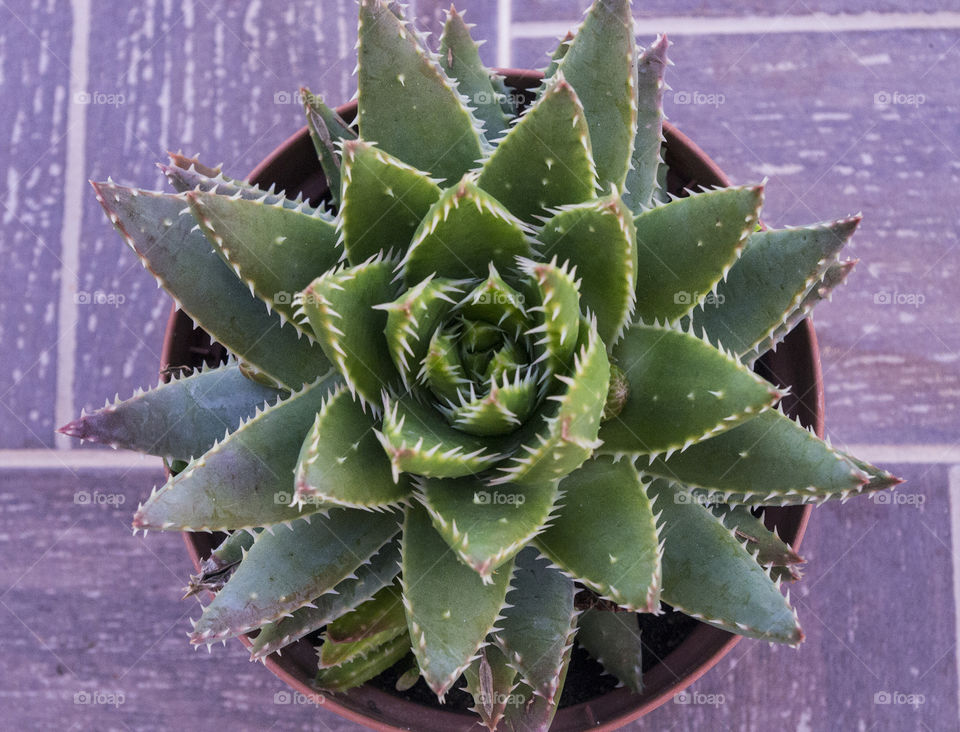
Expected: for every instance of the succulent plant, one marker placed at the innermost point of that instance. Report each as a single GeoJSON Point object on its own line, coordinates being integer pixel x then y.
{"type": "Point", "coordinates": [499, 375]}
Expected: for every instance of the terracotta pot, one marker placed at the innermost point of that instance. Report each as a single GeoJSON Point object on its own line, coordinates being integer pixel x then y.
{"type": "Point", "coordinates": [293, 167]}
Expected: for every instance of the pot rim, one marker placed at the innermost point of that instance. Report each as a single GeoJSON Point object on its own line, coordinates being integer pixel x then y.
{"type": "Point", "coordinates": [627, 706]}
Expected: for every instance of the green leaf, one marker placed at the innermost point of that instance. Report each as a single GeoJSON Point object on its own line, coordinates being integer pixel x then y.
{"type": "Point", "coordinates": [346, 595]}
{"type": "Point", "coordinates": [599, 239]}
{"type": "Point", "coordinates": [275, 251]}
{"type": "Point", "coordinates": [486, 527]}
{"type": "Point", "coordinates": [538, 623]}
{"type": "Point", "coordinates": [450, 610]}
{"type": "Point", "coordinates": [491, 682]}
{"type": "Point", "coordinates": [354, 635]}
{"type": "Point", "coordinates": [216, 569]}
{"type": "Point", "coordinates": [383, 202]}
{"type": "Point", "coordinates": [645, 161]}
{"type": "Point", "coordinates": [189, 174]}
{"type": "Point", "coordinates": [531, 712]}
{"type": "Point", "coordinates": [327, 132]}
{"type": "Point", "coordinates": [418, 440]}
{"type": "Point", "coordinates": [362, 669]}
{"type": "Point", "coordinates": [460, 59]}
{"type": "Point", "coordinates": [600, 64]}
{"type": "Point", "coordinates": [557, 56]}
{"type": "Point", "coordinates": [243, 481]}
{"type": "Point", "coordinates": [405, 102]}
{"type": "Point", "coordinates": [462, 234]}
{"type": "Point", "coordinates": [769, 281]}
{"type": "Point", "coordinates": [494, 301]}
{"type": "Point", "coordinates": [682, 390]}
{"type": "Point", "coordinates": [708, 575]}
{"type": "Point", "coordinates": [181, 260]}
{"type": "Point", "coordinates": [502, 410]}
{"type": "Point", "coordinates": [686, 247]}
{"type": "Point", "coordinates": [768, 459]}
{"type": "Point", "coordinates": [180, 419]}
{"type": "Point", "coordinates": [545, 159]}
{"type": "Point", "coordinates": [613, 640]}
{"type": "Point", "coordinates": [553, 301]}
{"type": "Point", "coordinates": [414, 318]}
{"type": "Point", "coordinates": [442, 368]}
{"type": "Point", "coordinates": [341, 461]}
{"type": "Point", "coordinates": [766, 546]}
{"type": "Point", "coordinates": [289, 567]}
{"type": "Point", "coordinates": [606, 501]}
{"type": "Point", "coordinates": [339, 301]}
{"type": "Point", "coordinates": [834, 276]}
{"type": "Point", "coordinates": [562, 433]}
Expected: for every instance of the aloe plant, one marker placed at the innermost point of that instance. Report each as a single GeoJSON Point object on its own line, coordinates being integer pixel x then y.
{"type": "Point", "coordinates": [498, 372]}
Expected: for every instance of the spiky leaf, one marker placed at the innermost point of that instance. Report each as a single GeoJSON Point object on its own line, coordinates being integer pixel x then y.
{"type": "Point", "coordinates": [768, 282]}
{"type": "Point", "coordinates": [418, 440]}
{"type": "Point", "coordinates": [645, 161]}
{"type": "Point", "coordinates": [334, 304]}
{"type": "Point", "coordinates": [181, 260]}
{"type": "Point", "coordinates": [286, 568]}
{"type": "Point", "coordinates": [180, 419]}
{"type": "Point", "coordinates": [622, 561]}
{"type": "Point", "coordinates": [341, 461]}
{"type": "Point", "coordinates": [686, 247]}
{"type": "Point", "coordinates": [450, 610]}
{"type": "Point", "coordinates": [462, 234]}
{"type": "Point", "coordinates": [486, 526]}
{"type": "Point", "coordinates": [708, 575]}
{"type": "Point", "coordinates": [383, 201]}
{"type": "Point", "coordinates": [361, 669]}
{"type": "Point", "coordinates": [613, 639]}
{"type": "Point", "coordinates": [599, 239]}
{"type": "Point", "coordinates": [553, 300]}
{"type": "Point", "coordinates": [491, 682]}
{"type": "Point", "coordinates": [275, 251]}
{"type": "Point", "coordinates": [327, 132]}
{"type": "Point", "coordinates": [765, 545]}
{"type": "Point", "coordinates": [562, 434]}
{"type": "Point", "coordinates": [545, 159]}
{"type": "Point", "coordinates": [460, 59]}
{"type": "Point", "coordinates": [768, 459]}
{"type": "Point", "coordinates": [600, 64]}
{"type": "Point", "coordinates": [243, 481]}
{"type": "Point", "coordinates": [539, 623]}
{"type": "Point", "coordinates": [682, 390]}
{"type": "Point", "coordinates": [346, 595]}
{"type": "Point", "coordinates": [405, 102]}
